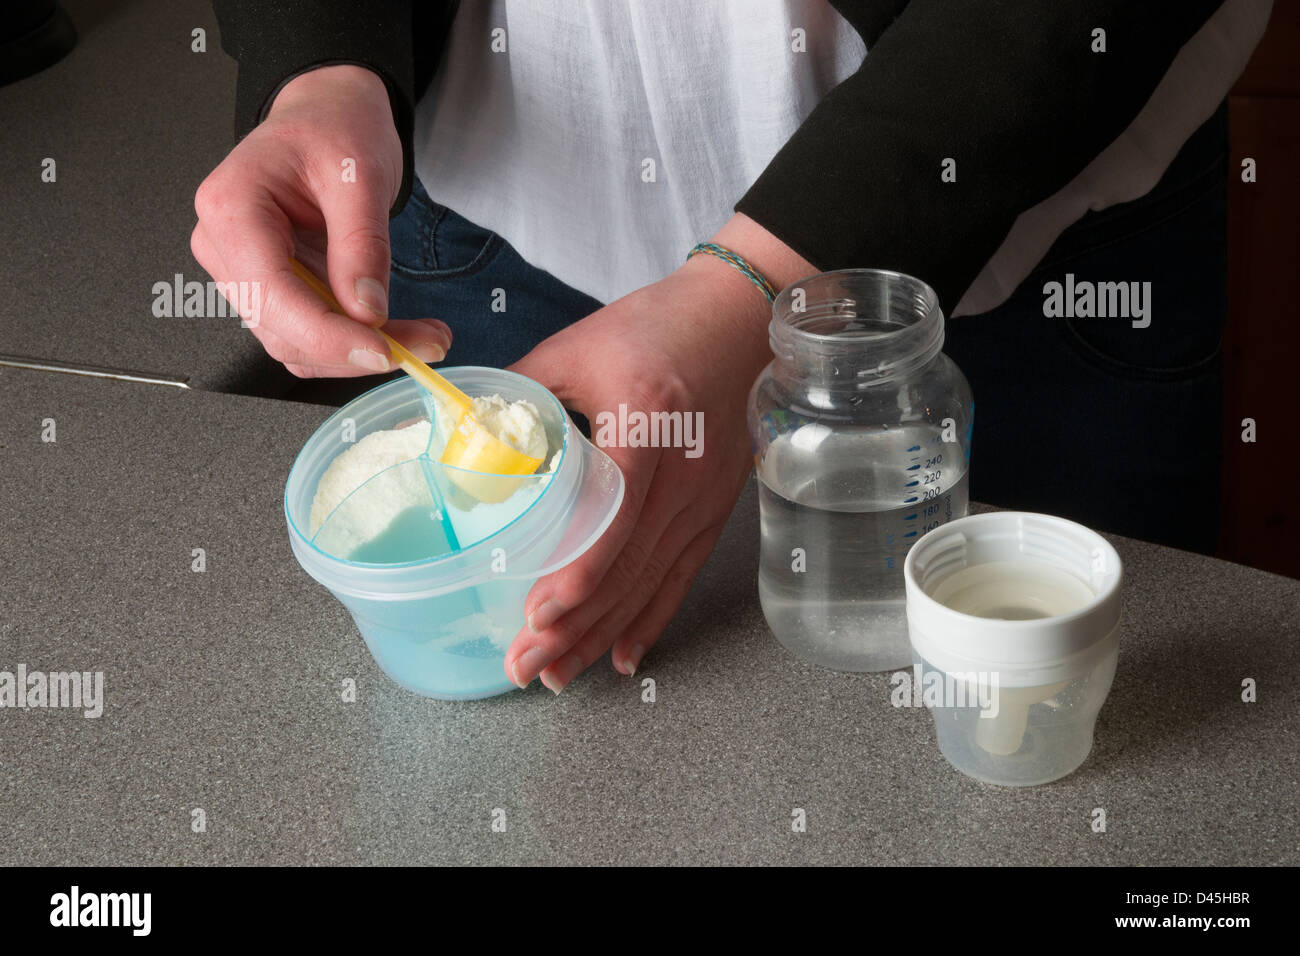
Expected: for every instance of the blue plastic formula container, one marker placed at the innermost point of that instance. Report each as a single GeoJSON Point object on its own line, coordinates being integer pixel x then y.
{"type": "Point", "coordinates": [439, 595]}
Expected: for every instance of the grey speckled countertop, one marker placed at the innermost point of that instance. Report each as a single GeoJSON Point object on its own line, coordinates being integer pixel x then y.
{"type": "Point", "coordinates": [134, 120]}
{"type": "Point", "coordinates": [223, 693]}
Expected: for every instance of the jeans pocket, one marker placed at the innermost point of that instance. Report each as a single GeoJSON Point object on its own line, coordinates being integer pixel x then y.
{"type": "Point", "coordinates": [1158, 296]}
{"type": "Point", "coordinates": [430, 241]}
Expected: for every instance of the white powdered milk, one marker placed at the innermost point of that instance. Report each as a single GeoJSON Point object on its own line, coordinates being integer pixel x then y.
{"type": "Point", "coordinates": [518, 424]}
{"type": "Point", "coordinates": [361, 462]}
{"type": "Point", "coordinates": [515, 423]}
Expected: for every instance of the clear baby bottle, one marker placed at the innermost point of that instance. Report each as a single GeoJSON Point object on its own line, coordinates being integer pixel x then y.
{"type": "Point", "coordinates": [862, 432]}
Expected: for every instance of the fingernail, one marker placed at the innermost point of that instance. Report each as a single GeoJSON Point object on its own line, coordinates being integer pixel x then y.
{"type": "Point", "coordinates": [436, 328]}
{"type": "Point", "coordinates": [527, 665]}
{"type": "Point", "coordinates": [561, 673]}
{"type": "Point", "coordinates": [429, 352]}
{"type": "Point", "coordinates": [633, 660]}
{"type": "Point", "coordinates": [546, 615]}
{"type": "Point", "coordinates": [370, 293]}
{"type": "Point", "coordinates": [369, 359]}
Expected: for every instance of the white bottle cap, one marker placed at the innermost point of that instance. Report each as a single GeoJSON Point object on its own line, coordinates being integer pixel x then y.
{"type": "Point", "coordinates": [1013, 558]}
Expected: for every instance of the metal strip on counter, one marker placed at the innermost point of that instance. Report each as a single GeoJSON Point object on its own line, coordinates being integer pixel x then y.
{"type": "Point", "coordinates": [122, 375]}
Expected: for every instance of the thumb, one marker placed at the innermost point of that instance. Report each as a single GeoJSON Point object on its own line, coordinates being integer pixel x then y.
{"type": "Point", "coordinates": [357, 252]}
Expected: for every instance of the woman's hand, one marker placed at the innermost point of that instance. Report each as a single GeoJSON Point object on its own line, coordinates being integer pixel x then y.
{"type": "Point", "coordinates": [691, 343]}
{"type": "Point", "coordinates": [315, 180]}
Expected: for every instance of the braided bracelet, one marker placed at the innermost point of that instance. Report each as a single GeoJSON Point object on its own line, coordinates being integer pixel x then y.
{"type": "Point", "coordinates": [726, 255]}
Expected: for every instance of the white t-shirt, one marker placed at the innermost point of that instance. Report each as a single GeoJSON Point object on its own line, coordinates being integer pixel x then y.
{"type": "Point", "coordinates": [610, 136]}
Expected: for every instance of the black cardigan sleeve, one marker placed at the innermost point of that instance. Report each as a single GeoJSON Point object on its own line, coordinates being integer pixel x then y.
{"type": "Point", "coordinates": [1009, 89]}
{"type": "Point", "coordinates": [275, 40]}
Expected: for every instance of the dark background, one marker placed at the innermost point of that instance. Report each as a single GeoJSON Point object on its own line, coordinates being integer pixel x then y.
{"type": "Point", "coordinates": [1260, 518]}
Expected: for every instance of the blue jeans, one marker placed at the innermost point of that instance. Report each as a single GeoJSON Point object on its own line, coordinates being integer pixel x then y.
{"type": "Point", "coordinates": [445, 267]}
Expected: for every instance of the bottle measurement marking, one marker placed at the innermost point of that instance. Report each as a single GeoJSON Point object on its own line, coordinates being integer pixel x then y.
{"type": "Point", "coordinates": [934, 478]}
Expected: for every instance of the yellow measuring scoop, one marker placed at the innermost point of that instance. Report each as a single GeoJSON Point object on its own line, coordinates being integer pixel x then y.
{"type": "Point", "coordinates": [486, 460]}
